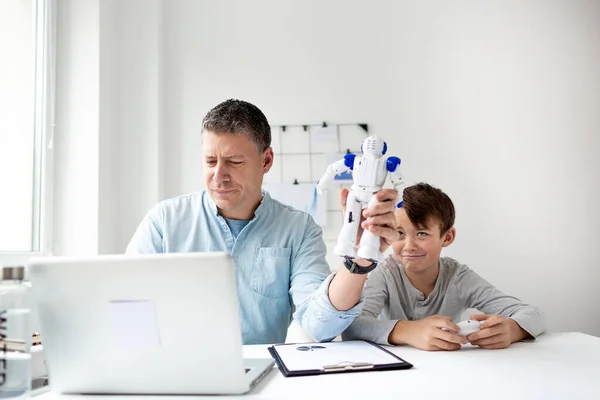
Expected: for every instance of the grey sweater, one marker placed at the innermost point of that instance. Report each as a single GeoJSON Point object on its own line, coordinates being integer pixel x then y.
{"type": "Point", "coordinates": [391, 297]}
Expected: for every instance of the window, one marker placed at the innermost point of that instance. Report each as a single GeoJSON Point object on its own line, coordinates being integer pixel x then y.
{"type": "Point", "coordinates": [25, 116]}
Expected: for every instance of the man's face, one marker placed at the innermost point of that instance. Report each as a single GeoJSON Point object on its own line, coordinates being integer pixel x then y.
{"type": "Point", "coordinates": [418, 248]}
{"type": "Point", "coordinates": [234, 171]}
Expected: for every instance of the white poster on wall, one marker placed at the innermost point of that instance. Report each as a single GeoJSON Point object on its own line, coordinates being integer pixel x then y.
{"type": "Point", "coordinates": [325, 133]}
{"type": "Point", "coordinates": [302, 197]}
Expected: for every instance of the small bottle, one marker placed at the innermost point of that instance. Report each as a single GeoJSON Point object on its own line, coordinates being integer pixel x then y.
{"type": "Point", "coordinates": [15, 335]}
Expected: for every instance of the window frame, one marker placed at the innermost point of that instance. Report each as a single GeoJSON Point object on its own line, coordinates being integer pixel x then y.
{"type": "Point", "coordinates": [43, 113]}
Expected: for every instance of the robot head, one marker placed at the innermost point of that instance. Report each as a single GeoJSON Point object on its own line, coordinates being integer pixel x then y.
{"type": "Point", "coordinates": [374, 145]}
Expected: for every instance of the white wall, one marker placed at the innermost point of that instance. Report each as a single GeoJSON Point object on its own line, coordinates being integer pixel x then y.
{"type": "Point", "coordinates": [77, 128]}
{"type": "Point", "coordinates": [130, 59]}
{"type": "Point", "coordinates": [495, 102]}
{"type": "Point", "coordinates": [107, 122]}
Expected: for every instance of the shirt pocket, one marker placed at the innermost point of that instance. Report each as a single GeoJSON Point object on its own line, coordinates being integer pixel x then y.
{"type": "Point", "coordinates": [271, 272]}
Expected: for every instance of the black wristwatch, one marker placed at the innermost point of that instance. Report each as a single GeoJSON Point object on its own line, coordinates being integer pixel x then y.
{"type": "Point", "coordinates": [357, 269]}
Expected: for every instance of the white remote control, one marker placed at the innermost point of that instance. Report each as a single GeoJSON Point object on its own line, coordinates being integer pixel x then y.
{"type": "Point", "coordinates": [467, 327]}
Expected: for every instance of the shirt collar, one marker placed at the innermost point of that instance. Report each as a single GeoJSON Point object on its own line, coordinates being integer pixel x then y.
{"type": "Point", "coordinates": [264, 205]}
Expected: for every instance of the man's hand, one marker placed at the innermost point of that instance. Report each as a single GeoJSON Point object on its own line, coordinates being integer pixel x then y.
{"type": "Point", "coordinates": [378, 218]}
{"type": "Point", "coordinates": [427, 334]}
{"type": "Point", "coordinates": [496, 332]}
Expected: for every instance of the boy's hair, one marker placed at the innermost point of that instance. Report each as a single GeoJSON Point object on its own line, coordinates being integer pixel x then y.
{"type": "Point", "coordinates": [239, 117]}
{"type": "Point", "coordinates": [422, 201]}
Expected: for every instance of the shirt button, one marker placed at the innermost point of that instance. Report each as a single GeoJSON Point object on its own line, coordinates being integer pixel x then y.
{"type": "Point", "coordinates": [417, 316]}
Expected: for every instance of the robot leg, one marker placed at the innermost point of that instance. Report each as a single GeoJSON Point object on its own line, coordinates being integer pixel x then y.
{"type": "Point", "coordinates": [346, 244]}
{"type": "Point", "coordinates": [369, 245]}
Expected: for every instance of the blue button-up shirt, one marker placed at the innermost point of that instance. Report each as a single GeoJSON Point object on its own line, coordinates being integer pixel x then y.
{"type": "Point", "coordinates": [279, 259]}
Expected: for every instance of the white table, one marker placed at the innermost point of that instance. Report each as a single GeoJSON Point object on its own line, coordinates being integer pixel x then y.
{"type": "Point", "coordinates": [556, 366]}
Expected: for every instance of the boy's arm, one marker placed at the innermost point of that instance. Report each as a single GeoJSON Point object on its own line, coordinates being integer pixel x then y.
{"type": "Point", "coordinates": [426, 334]}
{"type": "Point", "coordinates": [485, 297]}
{"type": "Point", "coordinates": [432, 334]}
{"type": "Point", "coordinates": [367, 326]}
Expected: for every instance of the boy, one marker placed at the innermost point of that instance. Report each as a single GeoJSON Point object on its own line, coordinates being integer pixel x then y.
{"type": "Point", "coordinates": [421, 294]}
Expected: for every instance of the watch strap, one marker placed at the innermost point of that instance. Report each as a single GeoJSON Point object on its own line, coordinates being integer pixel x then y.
{"type": "Point", "coordinates": [354, 268]}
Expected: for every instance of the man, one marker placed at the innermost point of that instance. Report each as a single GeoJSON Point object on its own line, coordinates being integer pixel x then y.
{"type": "Point", "coordinates": [278, 251]}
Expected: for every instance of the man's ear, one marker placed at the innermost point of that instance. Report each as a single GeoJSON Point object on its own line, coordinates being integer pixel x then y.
{"type": "Point", "coordinates": [449, 237]}
{"type": "Point", "coordinates": [267, 157]}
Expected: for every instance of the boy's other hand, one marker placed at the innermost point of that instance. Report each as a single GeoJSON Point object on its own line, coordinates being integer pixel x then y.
{"type": "Point", "coordinates": [427, 334]}
{"type": "Point", "coordinates": [496, 332]}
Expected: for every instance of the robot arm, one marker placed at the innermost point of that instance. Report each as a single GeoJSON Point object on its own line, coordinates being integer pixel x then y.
{"type": "Point", "coordinates": [334, 169]}
{"type": "Point", "coordinates": [393, 167]}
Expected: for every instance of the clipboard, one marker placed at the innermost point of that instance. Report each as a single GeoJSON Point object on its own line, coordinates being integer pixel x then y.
{"type": "Point", "coordinates": [302, 359]}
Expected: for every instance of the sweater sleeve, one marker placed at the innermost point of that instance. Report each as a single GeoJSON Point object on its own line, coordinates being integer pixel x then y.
{"type": "Point", "coordinates": [485, 297]}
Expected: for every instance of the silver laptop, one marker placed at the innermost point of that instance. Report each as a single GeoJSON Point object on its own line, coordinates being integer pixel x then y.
{"type": "Point", "coordinates": [144, 324]}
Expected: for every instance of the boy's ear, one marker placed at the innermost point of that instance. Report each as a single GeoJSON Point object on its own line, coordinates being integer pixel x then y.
{"type": "Point", "coordinates": [449, 237]}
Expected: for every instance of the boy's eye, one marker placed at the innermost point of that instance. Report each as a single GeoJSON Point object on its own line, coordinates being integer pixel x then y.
{"type": "Point", "coordinates": [401, 233]}
{"type": "Point", "coordinates": [421, 233]}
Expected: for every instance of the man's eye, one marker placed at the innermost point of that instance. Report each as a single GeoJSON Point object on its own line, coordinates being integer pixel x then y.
{"type": "Point", "coordinates": [235, 162]}
{"type": "Point", "coordinates": [211, 162]}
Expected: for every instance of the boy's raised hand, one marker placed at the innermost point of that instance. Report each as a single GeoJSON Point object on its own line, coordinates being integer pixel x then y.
{"type": "Point", "coordinates": [427, 334]}
{"type": "Point", "coordinates": [496, 332]}
{"type": "Point", "coordinates": [379, 218]}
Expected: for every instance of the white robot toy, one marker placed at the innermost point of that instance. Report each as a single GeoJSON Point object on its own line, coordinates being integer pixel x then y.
{"type": "Point", "coordinates": [369, 173]}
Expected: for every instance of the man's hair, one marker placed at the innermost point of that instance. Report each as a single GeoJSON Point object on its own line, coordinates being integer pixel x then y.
{"type": "Point", "coordinates": [423, 201]}
{"type": "Point", "coordinates": [239, 117]}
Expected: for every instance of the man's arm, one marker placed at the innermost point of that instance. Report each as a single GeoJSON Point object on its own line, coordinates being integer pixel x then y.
{"type": "Point", "coordinates": [148, 237]}
{"type": "Point", "coordinates": [485, 297]}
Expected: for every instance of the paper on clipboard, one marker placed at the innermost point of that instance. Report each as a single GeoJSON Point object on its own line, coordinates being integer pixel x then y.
{"type": "Point", "coordinates": [318, 356]}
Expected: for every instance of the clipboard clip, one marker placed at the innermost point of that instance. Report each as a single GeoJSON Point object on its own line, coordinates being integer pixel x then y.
{"type": "Point", "coordinates": [347, 366]}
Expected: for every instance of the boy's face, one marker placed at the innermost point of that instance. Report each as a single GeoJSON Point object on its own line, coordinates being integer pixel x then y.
{"type": "Point", "coordinates": [418, 248]}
